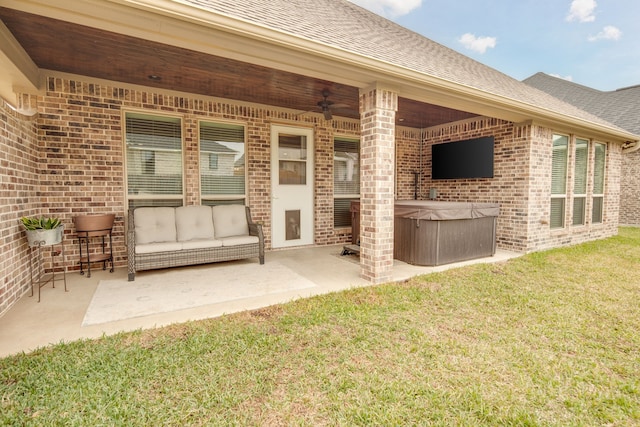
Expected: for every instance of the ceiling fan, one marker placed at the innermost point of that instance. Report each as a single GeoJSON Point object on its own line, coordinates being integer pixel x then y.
{"type": "Point", "coordinates": [326, 106]}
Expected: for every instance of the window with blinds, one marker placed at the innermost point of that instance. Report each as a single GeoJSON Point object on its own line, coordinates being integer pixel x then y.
{"type": "Point", "coordinates": [154, 160]}
{"type": "Point", "coordinates": [346, 179]}
{"type": "Point", "coordinates": [222, 163]}
{"type": "Point", "coordinates": [559, 180]}
{"type": "Point", "coordinates": [598, 182]}
{"type": "Point", "coordinates": [580, 176]}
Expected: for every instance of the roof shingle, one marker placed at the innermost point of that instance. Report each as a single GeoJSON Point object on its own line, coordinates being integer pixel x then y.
{"type": "Point", "coordinates": [346, 26]}
{"type": "Point", "coordinates": [620, 107]}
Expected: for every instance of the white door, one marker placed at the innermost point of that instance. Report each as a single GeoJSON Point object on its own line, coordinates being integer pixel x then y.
{"type": "Point", "coordinates": [291, 186]}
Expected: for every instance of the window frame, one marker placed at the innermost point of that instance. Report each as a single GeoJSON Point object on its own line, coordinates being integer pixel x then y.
{"type": "Point", "coordinates": [594, 195]}
{"type": "Point", "coordinates": [151, 199]}
{"type": "Point", "coordinates": [582, 196]}
{"type": "Point", "coordinates": [345, 196]}
{"type": "Point", "coordinates": [213, 161]}
{"type": "Point", "coordinates": [222, 198]}
{"type": "Point", "coordinates": [558, 195]}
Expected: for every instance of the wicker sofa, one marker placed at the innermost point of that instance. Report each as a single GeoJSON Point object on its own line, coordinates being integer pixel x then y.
{"type": "Point", "coordinates": [162, 237]}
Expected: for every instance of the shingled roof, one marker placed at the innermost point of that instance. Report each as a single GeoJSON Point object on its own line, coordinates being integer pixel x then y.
{"type": "Point", "coordinates": [343, 25]}
{"type": "Point", "coordinates": [331, 41]}
{"type": "Point", "coordinates": [620, 107]}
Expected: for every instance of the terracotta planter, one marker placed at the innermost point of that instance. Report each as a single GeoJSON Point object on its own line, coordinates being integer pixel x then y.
{"type": "Point", "coordinates": [42, 237]}
{"type": "Point", "coordinates": [94, 225]}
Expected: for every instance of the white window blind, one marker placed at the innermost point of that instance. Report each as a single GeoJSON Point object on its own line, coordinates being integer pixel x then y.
{"type": "Point", "coordinates": [222, 181]}
{"type": "Point", "coordinates": [154, 160]}
{"type": "Point", "coordinates": [598, 182]}
{"type": "Point", "coordinates": [346, 179]}
{"type": "Point", "coordinates": [558, 180]}
{"type": "Point", "coordinates": [580, 181]}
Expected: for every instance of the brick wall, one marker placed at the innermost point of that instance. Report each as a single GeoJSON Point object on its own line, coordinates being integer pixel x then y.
{"type": "Point", "coordinates": [630, 190]}
{"type": "Point", "coordinates": [325, 232]}
{"type": "Point", "coordinates": [521, 183]}
{"type": "Point", "coordinates": [69, 160]}
{"type": "Point", "coordinates": [408, 163]}
{"type": "Point", "coordinates": [19, 165]}
{"type": "Point", "coordinates": [540, 235]}
{"type": "Point", "coordinates": [80, 129]}
{"type": "Point", "coordinates": [508, 187]}
{"type": "Point", "coordinates": [536, 226]}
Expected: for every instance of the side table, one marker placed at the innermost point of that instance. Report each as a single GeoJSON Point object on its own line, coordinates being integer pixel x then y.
{"type": "Point", "coordinates": [89, 227]}
{"type": "Point", "coordinates": [38, 277]}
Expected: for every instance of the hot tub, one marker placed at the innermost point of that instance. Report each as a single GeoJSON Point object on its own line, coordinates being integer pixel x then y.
{"type": "Point", "coordinates": [434, 233]}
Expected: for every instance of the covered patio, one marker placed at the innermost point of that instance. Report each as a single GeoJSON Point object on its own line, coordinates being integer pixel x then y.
{"type": "Point", "coordinates": [274, 83]}
{"type": "Point", "coordinates": [59, 315]}
{"type": "Point", "coordinates": [294, 86]}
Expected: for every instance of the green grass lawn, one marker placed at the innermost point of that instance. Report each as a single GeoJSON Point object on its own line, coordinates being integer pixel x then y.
{"type": "Point", "coordinates": [549, 339]}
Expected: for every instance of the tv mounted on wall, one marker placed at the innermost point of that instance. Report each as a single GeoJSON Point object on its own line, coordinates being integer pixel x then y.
{"type": "Point", "coordinates": [471, 158]}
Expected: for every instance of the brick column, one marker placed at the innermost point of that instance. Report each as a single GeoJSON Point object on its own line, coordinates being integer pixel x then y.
{"type": "Point", "coordinates": [378, 108]}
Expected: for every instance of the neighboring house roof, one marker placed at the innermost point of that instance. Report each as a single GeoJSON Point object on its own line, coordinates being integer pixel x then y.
{"type": "Point", "coordinates": [215, 147]}
{"type": "Point", "coordinates": [620, 107]}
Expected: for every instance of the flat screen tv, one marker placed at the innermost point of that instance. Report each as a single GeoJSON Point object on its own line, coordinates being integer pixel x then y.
{"type": "Point", "coordinates": [471, 158]}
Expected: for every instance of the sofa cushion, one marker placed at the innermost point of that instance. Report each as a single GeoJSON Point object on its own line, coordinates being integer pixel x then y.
{"type": "Point", "coordinates": [230, 220]}
{"type": "Point", "coordinates": [194, 222]}
{"type": "Point", "coordinates": [155, 225]}
{"type": "Point", "coordinates": [150, 248]}
{"type": "Point", "coordinates": [239, 240]}
{"type": "Point", "coordinates": [201, 244]}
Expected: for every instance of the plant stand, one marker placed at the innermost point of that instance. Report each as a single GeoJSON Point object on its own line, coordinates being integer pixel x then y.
{"type": "Point", "coordinates": [38, 277]}
{"type": "Point", "coordinates": [89, 227]}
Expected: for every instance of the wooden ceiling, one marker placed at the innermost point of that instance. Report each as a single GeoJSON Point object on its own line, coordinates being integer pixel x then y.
{"type": "Point", "coordinates": [71, 48]}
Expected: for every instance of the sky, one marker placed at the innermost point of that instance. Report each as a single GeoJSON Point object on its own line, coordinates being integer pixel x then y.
{"type": "Point", "coordinates": [595, 43]}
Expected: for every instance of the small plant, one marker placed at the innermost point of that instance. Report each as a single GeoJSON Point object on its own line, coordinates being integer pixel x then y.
{"type": "Point", "coordinates": [33, 223]}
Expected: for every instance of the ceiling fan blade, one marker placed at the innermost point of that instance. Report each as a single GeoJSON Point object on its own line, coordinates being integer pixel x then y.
{"type": "Point", "coordinates": [305, 112]}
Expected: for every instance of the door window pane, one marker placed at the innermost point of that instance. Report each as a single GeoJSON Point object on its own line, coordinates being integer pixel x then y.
{"type": "Point", "coordinates": [292, 155]}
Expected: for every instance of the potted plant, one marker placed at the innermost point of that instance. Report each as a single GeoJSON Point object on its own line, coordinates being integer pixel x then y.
{"type": "Point", "coordinates": [42, 231]}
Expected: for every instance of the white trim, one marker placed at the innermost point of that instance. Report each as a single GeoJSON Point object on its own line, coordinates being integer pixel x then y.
{"type": "Point", "coordinates": [18, 72]}
{"type": "Point", "coordinates": [214, 197]}
{"type": "Point", "coordinates": [291, 198]}
{"type": "Point", "coordinates": [194, 28]}
{"type": "Point", "coordinates": [151, 114]}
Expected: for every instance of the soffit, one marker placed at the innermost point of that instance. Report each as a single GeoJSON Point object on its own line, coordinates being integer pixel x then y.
{"type": "Point", "coordinates": [72, 48]}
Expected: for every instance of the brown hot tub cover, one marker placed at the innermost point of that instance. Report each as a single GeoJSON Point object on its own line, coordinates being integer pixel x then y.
{"type": "Point", "coordinates": [430, 232]}
{"type": "Point", "coordinates": [443, 211]}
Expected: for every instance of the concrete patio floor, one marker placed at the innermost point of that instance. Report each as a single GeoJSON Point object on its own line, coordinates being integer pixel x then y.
{"type": "Point", "coordinates": [29, 324]}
